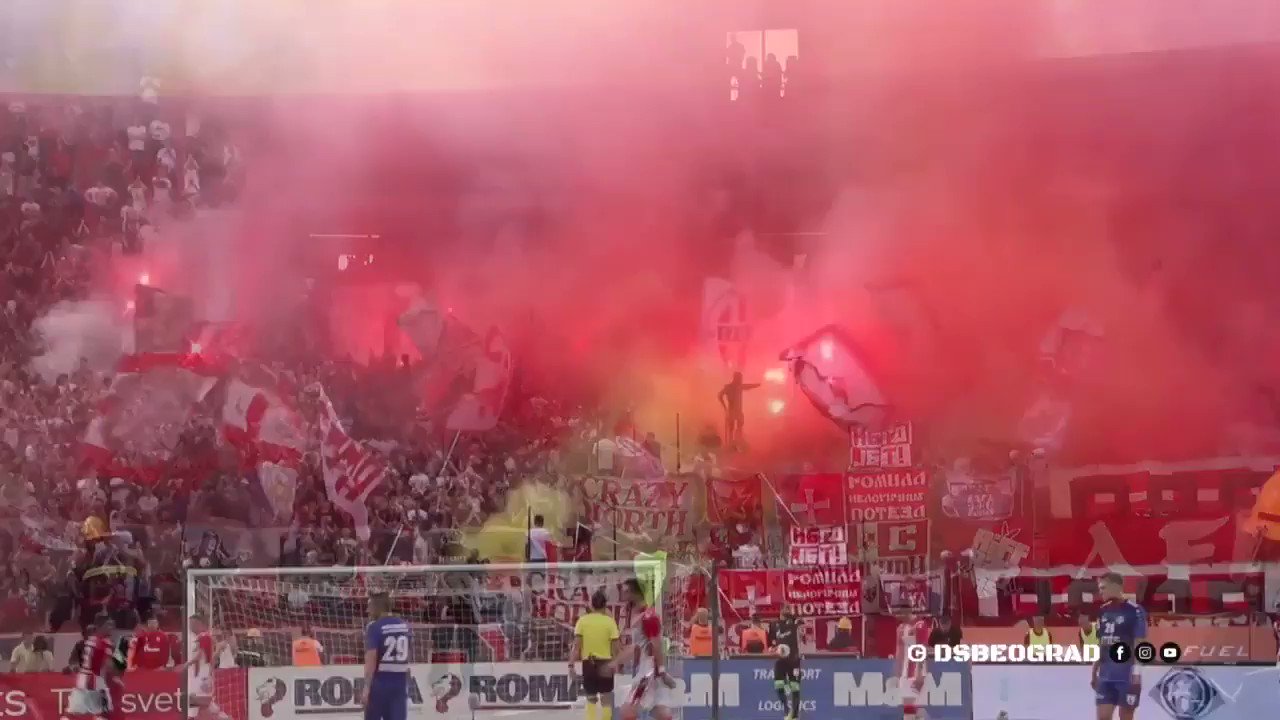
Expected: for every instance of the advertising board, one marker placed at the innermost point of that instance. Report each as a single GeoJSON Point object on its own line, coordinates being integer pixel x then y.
{"type": "Point", "coordinates": [147, 694]}
{"type": "Point", "coordinates": [441, 691]}
{"type": "Point", "coordinates": [830, 688]}
{"type": "Point", "coordinates": [1169, 692]}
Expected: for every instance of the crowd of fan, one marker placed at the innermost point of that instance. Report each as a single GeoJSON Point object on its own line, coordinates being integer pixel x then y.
{"type": "Point", "coordinates": [81, 184]}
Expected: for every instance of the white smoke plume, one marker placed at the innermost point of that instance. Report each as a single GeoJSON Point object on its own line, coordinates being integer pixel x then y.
{"type": "Point", "coordinates": [89, 330]}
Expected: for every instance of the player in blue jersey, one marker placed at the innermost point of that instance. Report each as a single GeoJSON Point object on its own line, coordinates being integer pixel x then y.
{"type": "Point", "coordinates": [386, 663]}
{"type": "Point", "coordinates": [1121, 624]}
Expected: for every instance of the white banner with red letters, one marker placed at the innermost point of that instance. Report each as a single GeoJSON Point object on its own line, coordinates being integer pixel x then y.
{"type": "Point", "coordinates": [819, 546]}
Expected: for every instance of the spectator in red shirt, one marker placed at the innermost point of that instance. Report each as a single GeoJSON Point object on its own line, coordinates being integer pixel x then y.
{"type": "Point", "coordinates": [150, 649]}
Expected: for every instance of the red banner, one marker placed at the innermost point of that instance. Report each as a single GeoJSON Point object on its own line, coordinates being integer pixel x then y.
{"type": "Point", "coordinates": [147, 695]}
{"type": "Point", "coordinates": [750, 592]}
{"type": "Point", "coordinates": [887, 495]}
{"type": "Point", "coordinates": [1210, 488]}
{"type": "Point", "coordinates": [815, 592]}
{"type": "Point", "coordinates": [1149, 545]}
{"type": "Point", "coordinates": [823, 592]}
{"type": "Point", "coordinates": [737, 500]}
{"type": "Point", "coordinates": [735, 514]}
{"type": "Point", "coordinates": [811, 500]}
{"type": "Point", "coordinates": [898, 548]}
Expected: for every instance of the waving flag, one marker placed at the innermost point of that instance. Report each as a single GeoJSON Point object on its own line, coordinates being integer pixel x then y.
{"type": "Point", "coordinates": [834, 376]}
{"type": "Point", "coordinates": [269, 435]}
{"type": "Point", "coordinates": [726, 327]}
{"type": "Point", "coordinates": [452, 354]}
{"type": "Point", "coordinates": [479, 409]}
{"type": "Point", "coordinates": [351, 471]}
{"type": "Point", "coordinates": [634, 461]}
{"type": "Point", "coordinates": [139, 423]}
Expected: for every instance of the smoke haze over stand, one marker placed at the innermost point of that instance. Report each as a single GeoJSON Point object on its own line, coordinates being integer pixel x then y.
{"type": "Point", "coordinates": [1000, 190]}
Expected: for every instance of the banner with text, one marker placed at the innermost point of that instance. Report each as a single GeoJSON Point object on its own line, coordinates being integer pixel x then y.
{"type": "Point", "coordinates": [812, 592]}
{"type": "Point", "coordinates": [438, 690]}
{"type": "Point", "coordinates": [642, 515]}
{"type": "Point", "coordinates": [146, 695]}
{"type": "Point", "coordinates": [821, 546]}
{"type": "Point", "coordinates": [1202, 640]}
{"type": "Point", "coordinates": [823, 592]}
{"type": "Point", "coordinates": [834, 689]}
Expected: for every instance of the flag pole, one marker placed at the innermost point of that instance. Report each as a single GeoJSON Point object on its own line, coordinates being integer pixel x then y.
{"type": "Point", "coordinates": [677, 443]}
{"type": "Point", "coordinates": [449, 454]}
{"type": "Point", "coordinates": [852, 449]}
{"type": "Point", "coordinates": [777, 498]}
{"type": "Point", "coordinates": [394, 541]}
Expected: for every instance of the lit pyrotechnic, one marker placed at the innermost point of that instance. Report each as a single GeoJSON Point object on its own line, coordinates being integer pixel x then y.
{"type": "Point", "coordinates": [775, 375]}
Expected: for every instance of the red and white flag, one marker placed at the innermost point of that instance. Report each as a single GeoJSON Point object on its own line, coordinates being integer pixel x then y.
{"type": "Point", "coordinates": [479, 409]}
{"type": "Point", "coordinates": [835, 377]}
{"type": "Point", "coordinates": [351, 471]}
{"type": "Point", "coordinates": [269, 435]}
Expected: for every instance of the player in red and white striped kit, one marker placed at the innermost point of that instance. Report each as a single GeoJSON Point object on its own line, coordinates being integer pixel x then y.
{"type": "Point", "coordinates": [910, 631]}
{"type": "Point", "coordinates": [98, 675]}
{"type": "Point", "coordinates": [200, 680]}
{"type": "Point", "coordinates": [652, 688]}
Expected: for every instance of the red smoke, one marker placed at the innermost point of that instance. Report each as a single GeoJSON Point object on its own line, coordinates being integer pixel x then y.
{"type": "Point", "coordinates": [954, 180]}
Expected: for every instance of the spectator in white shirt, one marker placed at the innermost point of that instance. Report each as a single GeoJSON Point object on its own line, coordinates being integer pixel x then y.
{"type": "Point", "coordinates": [422, 547]}
{"type": "Point", "coordinates": [748, 556]}
{"type": "Point", "coordinates": [26, 658]}
{"type": "Point", "coordinates": [100, 195]}
{"type": "Point", "coordinates": [167, 158]}
{"type": "Point", "coordinates": [160, 131]}
{"type": "Point", "coordinates": [604, 452]}
{"type": "Point", "coordinates": [137, 135]}
{"type": "Point", "coordinates": [148, 503]}
{"type": "Point", "coordinates": [539, 540]}
{"type": "Point", "coordinates": [420, 482]}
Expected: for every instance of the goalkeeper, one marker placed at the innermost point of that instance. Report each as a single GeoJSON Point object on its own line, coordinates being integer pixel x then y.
{"type": "Point", "coordinates": [784, 638]}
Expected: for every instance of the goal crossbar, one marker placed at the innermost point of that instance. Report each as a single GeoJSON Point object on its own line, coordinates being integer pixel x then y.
{"type": "Point", "coordinates": [638, 563]}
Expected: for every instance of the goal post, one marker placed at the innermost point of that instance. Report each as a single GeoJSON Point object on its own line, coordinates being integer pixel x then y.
{"type": "Point", "coordinates": [488, 640]}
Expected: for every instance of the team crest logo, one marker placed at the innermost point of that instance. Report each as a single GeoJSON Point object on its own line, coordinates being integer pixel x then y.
{"type": "Point", "coordinates": [725, 322]}
{"type": "Point", "coordinates": [1186, 694]}
{"type": "Point", "coordinates": [444, 689]}
{"type": "Point", "coordinates": [268, 694]}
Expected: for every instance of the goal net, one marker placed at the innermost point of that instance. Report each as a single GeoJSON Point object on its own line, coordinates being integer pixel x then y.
{"type": "Point", "coordinates": [488, 640]}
